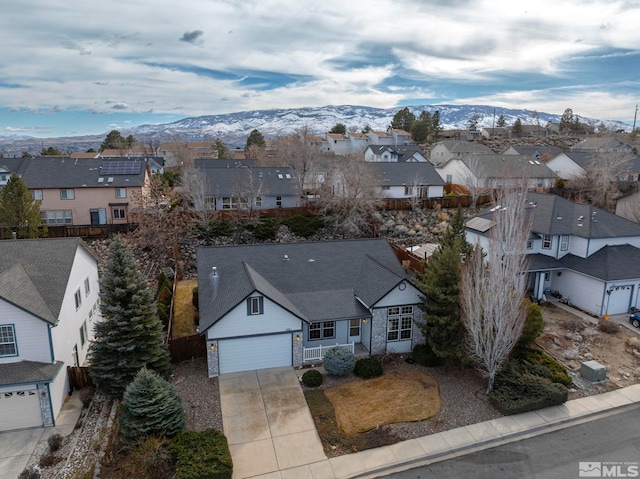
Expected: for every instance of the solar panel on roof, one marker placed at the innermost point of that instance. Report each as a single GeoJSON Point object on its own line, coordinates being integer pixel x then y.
{"type": "Point", "coordinates": [121, 167]}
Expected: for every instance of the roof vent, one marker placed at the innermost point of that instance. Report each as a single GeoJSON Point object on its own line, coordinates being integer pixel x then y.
{"type": "Point", "coordinates": [214, 271]}
{"type": "Point", "coordinates": [285, 257]}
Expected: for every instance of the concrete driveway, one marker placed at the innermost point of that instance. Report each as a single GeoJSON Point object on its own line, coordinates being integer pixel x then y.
{"type": "Point", "coordinates": [16, 448]}
{"type": "Point", "coordinates": [267, 422]}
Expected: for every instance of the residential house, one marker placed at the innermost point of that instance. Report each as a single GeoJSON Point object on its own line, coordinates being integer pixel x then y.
{"type": "Point", "coordinates": [587, 254]}
{"type": "Point", "coordinates": [628, 206]}
{"type": "Point", "coordinates": [447, 149]}
{"type": "Point", "coordinates": [401, 137]}
{"type": "Point", "coordinates": [176, 153]}
{"type": "Point", "coordinates": [49, 304]}
{"type": "Point", "coordinates": [241, 187]}
{"type": "Point", "coordinates": [537, 131]}
{"type": "Point", "coordinates": [381, 138]}
{"type": "Point", "coordinates": [338, 144]}
{"type": "Point", "coordinates": [86, 192]}
{"type": "Point", "coordinates": [407, 180]}
{"type": "Point", "coordinates": [495, 171]}
{"type": "Point", "coordinates": [359, 141]}
{"type": "Point", "coordinates": [455, 134]}
{"type": "Point", "coordinates": [570, 164]}
{"type": "Point", "coordinates": [574, 164]}
{"type": "Point", "coordinates": [8, 166]}
{"type": "Point", "coordinates": [492, 133]}
{"type": "Point", "coordinates": [386, 153]}
{"type": "Point", "coordinates": [276, 304]}
{"type": "Point", "coordinates": [544, 153]}
{"type": "Point", "coordinates": [603, 144]}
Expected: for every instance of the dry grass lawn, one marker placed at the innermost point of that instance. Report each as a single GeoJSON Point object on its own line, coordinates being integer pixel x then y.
{"type": "Point", "coordinates": [400, 396]}
{"type": "Point", "coordinates": [183, 309]}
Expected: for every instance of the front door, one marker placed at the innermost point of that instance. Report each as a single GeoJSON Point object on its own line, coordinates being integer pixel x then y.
{"type": "Point", "coordinates": [354, 331]}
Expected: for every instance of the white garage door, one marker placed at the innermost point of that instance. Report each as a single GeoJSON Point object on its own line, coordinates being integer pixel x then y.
{"type": "Point", "coordinates": [19, 409]}
{"type": "Point", "coordinates": [259, 352]}
{"type": "Point", "coordinates": [619, 300]}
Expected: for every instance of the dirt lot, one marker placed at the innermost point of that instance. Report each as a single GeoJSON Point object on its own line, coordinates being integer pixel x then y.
{"type": "Point", "coordinates": [572, 340]}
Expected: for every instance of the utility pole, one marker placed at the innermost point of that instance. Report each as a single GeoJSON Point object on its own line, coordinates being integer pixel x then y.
{"type": "Point", "coordinates": [634, 119]}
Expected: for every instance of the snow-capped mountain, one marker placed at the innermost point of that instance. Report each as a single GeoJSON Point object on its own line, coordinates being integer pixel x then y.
{"type": "Point", "coordinates": [233, 128]}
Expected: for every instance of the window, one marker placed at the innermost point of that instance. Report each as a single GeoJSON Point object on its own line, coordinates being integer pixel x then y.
{"type": "Point", "coordinates": [121, 192]}
{"type": "Point", "coordinates": [408, 190]}
{"type": "Point", "coordinates": [227, 204]}
{"type": "Point", "coordinates": [87, 286]}
{"type": "Point", "coordinates": [386, 188]}
{"type": "Point", "coordinates": [119, 214]}
{"type": "Point", "coordinates": [78, 297]}
{"type": "Point", "coordinates": [564, 243]}
{"type": "Point", "coordinates": [400, 320]}
{"type": "Point", "coordinates": [546, 276]}
{"type": "Point", "coordinates": [209, 203]}
{"type": "Point", "coordinates": [255, 305]}
{"type": "Point", "coordinates": [258, 200]}
{"type": "Point", "coordinates": [8, 346]}
{"type": "Point", "coordinates": [278, 200]}
{"type": "Point", "coordinates": [56, 217]}
{"type": "Point", "coordinates": [83, 333]}
{"type": "Point", "coordinates": [37, 194]}
{"type": "Point", "coordinates": [546, 242]}
{"type": "Point", "coordinates": [529, 244]}
{"type": "Point", "coordinates": [449, 179]}
{"type": "Point", "coordinates": [67, 194]}
{"type": "Point", "coordinates": [323, 330]}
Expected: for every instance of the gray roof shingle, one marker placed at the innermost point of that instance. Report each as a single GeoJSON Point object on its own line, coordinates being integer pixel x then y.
{"type": "Point", "coordinates": [280, 181]}
{"type": "Point", "coordinates": [396, 174]}
{"type": "Point", "coordinates": [314, 280]}
{"type": "Point", "coordinates": [28, 372]}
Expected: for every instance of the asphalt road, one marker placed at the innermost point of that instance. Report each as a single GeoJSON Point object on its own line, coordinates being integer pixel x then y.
{"type": "Point", "coordinates": [611, 441]}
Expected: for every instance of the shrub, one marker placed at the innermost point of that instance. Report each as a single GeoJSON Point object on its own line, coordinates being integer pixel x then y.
{"type": "Point", "coordinates": [339, 361]}
{"type": "Point", "coordinates": [533, 325]}
{"type": "Point", "coordinates": [312, 378]}
{"type": "Point", "coordinates": [200, 455]}
{"type": "Point", "coordinates": [164, 297]}
{"type": "Point", "coordinates": [266, 228]}
{"type": "Point", "coordinates": [559, 183]}
{"type": "Point", "coordinates": [368, 368]}
{"type": "Point", "coordinates": [55, 442]}
{"type": "Point", "coordinates": [86, 395]}
{"type": "Point", "coordinates": [148, 457]}
{"type": "Point", "coordinates": [49, 460]}
{"type": "Point", "coordinates": [607, 326]}
{"type": "Point", "coordinates": [302, 225]}
{"type": "Point", "coordinates": [558, 371]}
{"type": "Point", "coordinates": [424, 356]}
{"type": "Point", "coordinates": [163, 314]}
{"type": "Point", "coordinates": [30, 473]}
{"type": "Point", "coordinates": [515, 393]}
{"type": "Point", "coordinates": [573, 325]}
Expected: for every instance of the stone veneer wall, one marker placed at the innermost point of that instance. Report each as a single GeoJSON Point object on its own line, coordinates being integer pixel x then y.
{"type": "Point", "coordinates": [297, 350]}
{"type": "Point", "coordinates": [379, 331]}
{"type": "Point", "coordinates": [416, 334]}
{"type": "Point", "coordinates": [213, 363]}
{"type": "Point", "coordinates": [45, 404]}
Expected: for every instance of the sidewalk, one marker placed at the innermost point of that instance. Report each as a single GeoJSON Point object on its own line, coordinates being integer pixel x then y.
{"type": "Point", "coordinates": [460, 441]}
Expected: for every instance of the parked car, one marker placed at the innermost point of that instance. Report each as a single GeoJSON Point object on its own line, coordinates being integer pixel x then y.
{"type": "Point", "coordinates": [634, 319]}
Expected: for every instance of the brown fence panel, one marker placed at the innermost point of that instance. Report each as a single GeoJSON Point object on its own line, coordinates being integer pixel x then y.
{"type": "Point", "coordinates": [408, 259]}
{"type": "Point", "coordinates": [188, 347]}
{"type": "Point", "coordinates": [78, 377]}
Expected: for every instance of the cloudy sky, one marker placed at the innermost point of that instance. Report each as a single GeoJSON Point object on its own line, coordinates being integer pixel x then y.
{"type": "Point", "coordinates": [72, 67]}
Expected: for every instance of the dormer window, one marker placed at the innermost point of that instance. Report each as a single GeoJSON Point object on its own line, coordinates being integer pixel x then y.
{"type": "Point", "coordinates": [255, 305]}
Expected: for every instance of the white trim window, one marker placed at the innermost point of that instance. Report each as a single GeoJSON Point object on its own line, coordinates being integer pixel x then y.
{"type": "Point", "coordinates": [546, 242]}
{"type": "Point", "coordinates": [8, 345]}
{"type": "Point", "coordinates": [119, 214]}
{"type": "Point", "coordinates": [255, 305]}
{"type": "Point", "coordinates": [399, 323]}
{"type": "Point", "coordinates": [121, 192]}
{"type": "Point", "coordinates": [83, 333]}
{"type": "Point", "coordinates": [56, 217]}
{"type": "Point", "coordinates": [67, 194]}
{"type": "Point", "coordinates": [36, 194]}
{"type": "Point", "coordinates": [564, 242]}
{"type": "Point", "coordinates": [87, 286]}
{"type": "Point", "coordinates": [77, 296]}
{"type": "Point", "coordinates": [322, 330]}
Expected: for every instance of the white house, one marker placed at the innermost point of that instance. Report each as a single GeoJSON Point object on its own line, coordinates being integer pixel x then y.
{"type": "Point", "coordinates": [447, 149]}
{"type": "Point", "coordinates": [387, 153]}
{"type": "Point", "coordinates": [407, 180]}
{"type": "Point", "coordinates": [49, 296]}
{"type": "Point", "coordinates": [272, 305]}
{"type": "Point", "coordinates": [585, 253]}
{"type": "Point", "coordinates": [570, 164]}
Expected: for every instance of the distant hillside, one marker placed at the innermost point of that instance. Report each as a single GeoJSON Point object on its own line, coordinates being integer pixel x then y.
{"type": "Point", "coordinates": [233, 128]}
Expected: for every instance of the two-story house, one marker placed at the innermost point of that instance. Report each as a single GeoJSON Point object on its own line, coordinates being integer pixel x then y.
{"type": "Point", "coordinates": [447, 149]}
{"type": "Point", "coordinates": [587, 254]}
{"type": "Point", "coordinates": [49, 303]}
{"type": "Point", "coordinates": [95, 191]}
{"type": "Point", "coordinates": [397, 154]}
{"type": "Point", "coordinates": [272, 305]}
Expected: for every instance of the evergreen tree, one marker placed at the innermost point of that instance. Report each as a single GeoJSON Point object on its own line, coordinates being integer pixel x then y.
{"type": "Point", "coordinates": [339, 128]}
{"type": "Point", "coordinates": [501, 123]}
{"type": "Point", "coordinates": [221, 148]}
{"type": "Point", "coordinates": [403, 120]}
{"type": "Point", "coordinates": [442, 326]}
{"type": "Point", "coordinates": [420, 131]}
{"type": "Point", "coordinates": [566, 121]}
{"type": "Point", "coordinates": [516, 129]}
{"type": "Point", "coordinates": [131, 335]}
{"type": "Point", "coordinates": [150, 407]}
{"type": "Point", "coordinates": [19, 211]}
{"type": "Point", "coordinates": [436, 126]}
{"type": "Point", "coordinates": [255, 138]}
{"type": "Point", "coordinates": [115, 141]}
{"type": "Point", "coordinates": [51, 151]}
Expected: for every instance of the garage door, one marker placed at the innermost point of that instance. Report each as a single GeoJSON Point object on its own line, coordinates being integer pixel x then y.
{"type": "Point", "coordinates": [19, 409]}
{"type": "Point", "coordinates": [619, 300]}
{"type": "Point", "coordinates": [259, 352]}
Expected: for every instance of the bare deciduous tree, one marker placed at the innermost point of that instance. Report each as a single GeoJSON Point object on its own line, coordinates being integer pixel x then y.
{"type": "Point", "coordinates": [599, 184]}
{"type": "Point", "coordinates": [298, 152]}
{"type": "Point", "coordinates": [493, 286]}
{"type": "Point", "coordinates": [353, 195]}
{"type": "Point", "coordinates": [476, 179]}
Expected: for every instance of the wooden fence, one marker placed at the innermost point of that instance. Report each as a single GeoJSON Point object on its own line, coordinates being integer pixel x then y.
{"type": "Point", "coordinates": [408, 259]}
{"type": "Point", "coordinates": [431, 203]}
{"type": "Point", "coordinates": [188, 347]}
{"type": "Point", "coordinates": [78, 377]}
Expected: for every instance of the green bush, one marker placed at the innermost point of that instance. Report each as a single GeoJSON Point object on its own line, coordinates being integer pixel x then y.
{"type": "Point", "coordinates": [216, 228]}
{"type": "Point", "coordinates": [368, 368]}
{"type": "Point", "coordinates": [163, 314]}
{"type": "Point", "coordinates": [266, 228]}
{"type": "Point", "coordinates": [537, 356]}
{"type": "Point", "coordinates": [303, 225]}
{"type": "Point", "coordinates": [312, 378]}
{"type": "Point", "coordinates": [533, 325]}
{"type": "Point", "coordinates": [164, 297]}
{"type": "Point", "coordinates": [515, 393]}
{"type": "Point", "coordinates": [201, 455]}
{"type": "Point", "coordinates": [424, 356]}
{"type": "Point", "coordinates": [339, 361]}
